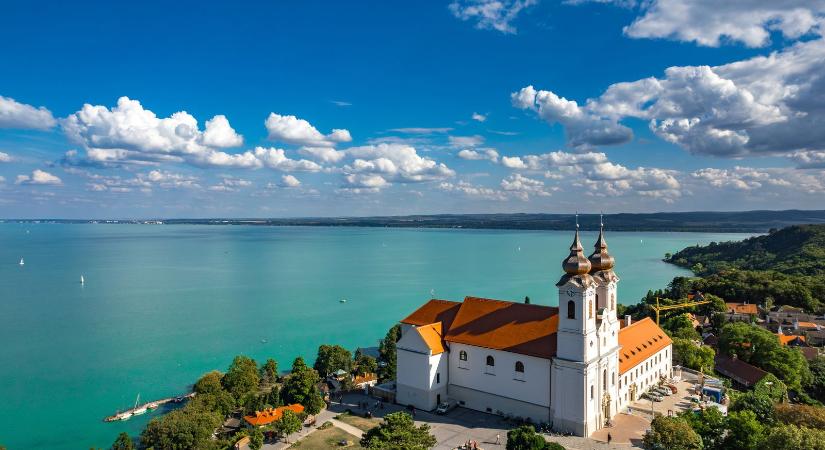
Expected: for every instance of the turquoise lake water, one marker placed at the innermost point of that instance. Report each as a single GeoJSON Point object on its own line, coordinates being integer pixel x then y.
{"type": "Point", "coordinates": [164, 304]}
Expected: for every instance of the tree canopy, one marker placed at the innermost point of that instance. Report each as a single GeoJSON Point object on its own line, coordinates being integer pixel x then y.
{"type": "Point", "coordinates": [269, 371]}
{"type": "Point", "coordinates": [123, 442]}
{"type": "Point", "coordinates": [301, 386]}
{"type": "Point", "coordinates": [671, 433]}
{"type": "Point", "coordinates": [398, 432]}
{"type": "Point", "coordinates": [689, 354]}
{"type": "Point", "coordinates": [242, 377]}
{"type": "Point", "coordinates": [288, 423]}
{"type": "Point", "coordinates": [526, 438]}
{"type": "Point", "coordinates": [332, 358]}
{"type": "Point", "coordinates": [181, 429]}
{"type": "Point", "coordinates": [387, 351]}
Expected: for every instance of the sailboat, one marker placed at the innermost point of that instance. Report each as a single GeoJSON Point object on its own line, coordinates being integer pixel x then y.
{"type": "Point", "coordinates": [138, 411]}
{"type": "Point", "coordinates": [82, 280]}
{"type": "Point", "coordinates": [22, 263]}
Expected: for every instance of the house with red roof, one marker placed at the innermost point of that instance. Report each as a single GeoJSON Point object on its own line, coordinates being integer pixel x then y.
{"type": "Point", "coordinates": [574, 366]}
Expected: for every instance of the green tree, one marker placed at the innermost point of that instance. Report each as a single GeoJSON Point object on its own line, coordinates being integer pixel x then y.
{"type": "Point", "coordinates": [398, 432]}
{"type": "Point", "coordinates": [698, 357]}
{"type": "Point", "coordinates": [209, 383]}
{"type": "Point", "coordinates": [387, 351]}
{"type": "Point", "coordinates": [332, 358]}
{"type": "Point", "coordinates": [709, 424]}
{"type": "Point", "coordinates": [123, 442]}
{"type": "Point", "coordinates": [772, 388]}
{"type": "Point", "coordinates": [365, 364]}
{"type": "Point", "coordinates": [301, 386]}
{"type": "Point", "coordinates": [681, 326]}
{"type": "Point", "coordinates": [256, 439]}
{"type": "Point", "coordinates": [221, 402]}
{"type": "Point", "coordinates": [269, 371]}
{"type": "Point", "coordinates": [800, 415]}
{"type": "Point", "coordinates": [526, 438]}
{"type": "Point", "coordinates": [744, 431]}
{"type": "Point", "coordinates": [816, 387]}
{"type": "Point", "coordinates": [288, 423]}
{"type": "Point", "coordinates": [760, 404]}
{"type": "Point", "coordinates": [182, 429]}
{"type": "Point", "coordinates": [241, 377]}
{"type": "Point", "coordinates": [790, 437]}
{"type": "Point", "coordinates": [671, 433]}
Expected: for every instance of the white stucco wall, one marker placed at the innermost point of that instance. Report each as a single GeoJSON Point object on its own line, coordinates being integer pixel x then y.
{"type": "Point", "coordinates": [525, 397]}
{"type": "Point", "coordinates": [422, 377]}
{"type": "Point", "coordinates": [645, 374]}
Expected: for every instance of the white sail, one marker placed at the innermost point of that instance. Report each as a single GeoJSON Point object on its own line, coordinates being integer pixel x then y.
{"type": "Point", "coordinates": [22, 263]}
{"type": "Point", "coordinates": [82, 280]}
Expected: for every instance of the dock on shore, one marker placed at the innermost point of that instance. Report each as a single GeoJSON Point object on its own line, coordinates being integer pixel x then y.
{"type": "Point", "coordinates": [140, 409]}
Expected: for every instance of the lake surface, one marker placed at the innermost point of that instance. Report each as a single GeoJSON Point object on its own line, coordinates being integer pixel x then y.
{"type": "Point", "coordinates": [164, 304]}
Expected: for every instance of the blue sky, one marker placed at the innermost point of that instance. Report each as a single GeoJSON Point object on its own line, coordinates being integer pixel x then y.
{"type": "Point", "coordinates": [256, 109]}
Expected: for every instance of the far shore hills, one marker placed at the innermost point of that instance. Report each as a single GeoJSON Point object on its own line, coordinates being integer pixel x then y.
{"type": "Point", "coordinates": [696, 221]}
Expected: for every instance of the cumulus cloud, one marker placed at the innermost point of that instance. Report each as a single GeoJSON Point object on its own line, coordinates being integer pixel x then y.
{"type": "Point", "coordinates": [421, 130]}
{"type": "Point", "coordinates": [480, 154]}
{"type": "Point", "coordinates": [522, 187]}
{"type": "Point", "coordinates": [479, 117]}
{"type": "Point", "coordinates": [38, 177]}
{"type": "Point", "coordinates": [471, 190]}
{"type": "Point", "coordinates": [584, 126]}
{"type": "Point", "coordinates": [5, 157]}
{"type": "Point", "coordinates": [21, 115]}
{"type": "Point", "coordinates": [711, 23]}
{"type": "Point", "coordinates": [219, 133]}
{"type": "Point", "coordinates": [293, 130]}
{"type": "Point", "coordinates": [289, 181]}
{"type": "Point", "coordinates": [323, 154]}
{"type": "Point", "coordinates": [391, 163]}
{"type": "Point", "coordinates": [229, 184]}
{"type": "Point", "coordinates": [490, 14]}
{"type": "Point", "coordinates": [765, 105]}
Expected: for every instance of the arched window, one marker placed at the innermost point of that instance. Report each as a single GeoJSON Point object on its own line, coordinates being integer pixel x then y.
{"type": "Point", "coordinates": [490, 367]}
{"type": "Point", "coordinates": [571, 309]}
{"type": "Point", "coordinates": [462, 360]}
{"type": "Point", "coordinates": [604, 380]}
{"type": "Point", "coordinates": [590, 309]}
{"type": "Point", "coordinates": [519, 374]}
{"type": "Point", "coordinates": [462, 355]}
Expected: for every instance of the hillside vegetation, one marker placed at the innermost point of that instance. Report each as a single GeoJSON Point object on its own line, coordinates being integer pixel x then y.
{"type": "Point", "coordinates": [783, 267]}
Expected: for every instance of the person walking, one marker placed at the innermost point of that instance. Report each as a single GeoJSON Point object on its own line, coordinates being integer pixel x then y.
{"type": "Point", "coordinates": [609, 438]}
{"type": "Point", "coordinates": [498, 439]}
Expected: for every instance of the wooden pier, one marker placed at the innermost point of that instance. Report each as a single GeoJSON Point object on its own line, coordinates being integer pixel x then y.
{"type": "Point", "coordinates": [127, 414]}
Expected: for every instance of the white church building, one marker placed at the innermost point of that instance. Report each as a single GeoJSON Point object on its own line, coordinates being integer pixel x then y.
{"type": "Point", "coordinates": [573, 366]}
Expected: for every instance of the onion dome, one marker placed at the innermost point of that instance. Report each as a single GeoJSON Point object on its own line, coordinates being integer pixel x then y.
{"type": "Point", "coordinates": [576, 263]}
{"type": "Point", "coordinates": [601, 259]}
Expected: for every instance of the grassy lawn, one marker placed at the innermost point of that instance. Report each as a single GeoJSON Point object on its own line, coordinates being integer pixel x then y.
{"type": "Point", "coordinates": [359, 422]}
{"type": "Point", "coordinates": [326, 439]}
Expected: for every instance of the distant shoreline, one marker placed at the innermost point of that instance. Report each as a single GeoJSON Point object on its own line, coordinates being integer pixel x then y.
{"type": "Point", "coordinates": [698, 221]}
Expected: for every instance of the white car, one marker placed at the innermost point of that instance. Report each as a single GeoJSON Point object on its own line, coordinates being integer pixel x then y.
{"type": "Point", "coordinates": [445, 407]}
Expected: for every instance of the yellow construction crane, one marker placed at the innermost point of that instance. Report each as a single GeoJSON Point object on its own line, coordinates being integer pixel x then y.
{"type": "Point", "coordinates": [658, 308]}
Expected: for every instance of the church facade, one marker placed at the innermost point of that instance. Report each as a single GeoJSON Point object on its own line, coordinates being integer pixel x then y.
{"type": "Point", "coordinates": [574, 366]}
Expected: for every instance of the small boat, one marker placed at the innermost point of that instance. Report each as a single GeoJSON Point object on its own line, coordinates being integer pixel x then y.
{"type": "Point", "coordinates": [343, 300]}
{"type": "Point", "coordinates": [123, 416]}
{"type": "Point", "coordinates": [22, 263]}
{"type": "Point", "coordinates": [82, 280]}
{"type": "Point", "coordinates": [263, 341]}
{"type": "Point", "coordinates": [138, 411]}
{"type": "Point", "coordinates": [152, 406]}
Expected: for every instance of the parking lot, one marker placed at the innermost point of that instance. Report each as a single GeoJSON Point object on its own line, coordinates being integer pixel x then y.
{"type": "Point", "coordinates": [670, 405]}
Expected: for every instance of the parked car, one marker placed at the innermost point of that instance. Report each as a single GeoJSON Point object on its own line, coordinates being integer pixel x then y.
{"type": "Point", "coordinates": [663, 391]}
{"type": "Point", "coordinates": [445, 407]}
{"type": "Point", "coordinates": [652, 396]}
{"type": "Point", "coordinates": [672, 388]}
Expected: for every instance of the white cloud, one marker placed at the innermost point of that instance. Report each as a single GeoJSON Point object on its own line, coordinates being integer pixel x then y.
{"type": "Point", "coordinates": [765, 105]}
{"type": "Point", "coordinates": [229, 184]}
{"type": "Point", "coordinates": [479, 117]}
{"type": "Point", "coordinates": [481, 154]}
{"type": "Point", "coordinates": [340, 103]}
{"type": "Point", "coordinates": [130, 134]}
{"type": "Point", "coordinates": [522, 187]}
{"type": "Point", "coordinates": [293, 130]}
{"type": "Point", "coordinates": [2, 179]}
{"type": "Point", "coordinates": [219, 133]}
{"type": "Point", "coordinates": [275, 158]}
{"type": "Point", "coordinates": [490, 14]}
{"type": "Point", "coordinates": [5, 157]}
{"type": "Point", "coordinates": [20, 115]}
{"type": "Point", "coordinates": [394, 162]}
{"type": "Point", "coordinates": [38, 177]}
{"type": "Point", "coordinates": [711, 23]}
{"type": "Point", "coordinates": [323, 154]}
{"type": "Point", "coordinates": [583, 126]}
{"type": "Point", "coordinates": [465, 141]}
{"type": "Point", "coordinates": [472, 190]}
{"type": "Point", "coordinates": [289, 181]}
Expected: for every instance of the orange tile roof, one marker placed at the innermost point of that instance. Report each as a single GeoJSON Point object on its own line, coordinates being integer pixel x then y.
{"type": "Point", "coordinates": [433, 311]}
{"type": "Point", "coordinates": [270, 415]}
{"type": "Point", "coordinates": [366, 378]}
{"type": "Point", "coordinates": [784, 339]}
{"type": "Point", "coordinates": [742, 308]}
{"type": "Point", "coordinates": [432, 336]}
{"type": "Point", "coordinates": [807, 325]}
{"type": "Point", "coordinates": [508, 326]}
{"type": "Point", "coordinates": [639, 341]}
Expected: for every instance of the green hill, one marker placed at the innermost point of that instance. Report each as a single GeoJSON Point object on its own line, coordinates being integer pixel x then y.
{"type": "Point", "coordinates": [783, 267]}
{"type": "Point", "coordinates": [795, 250]}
